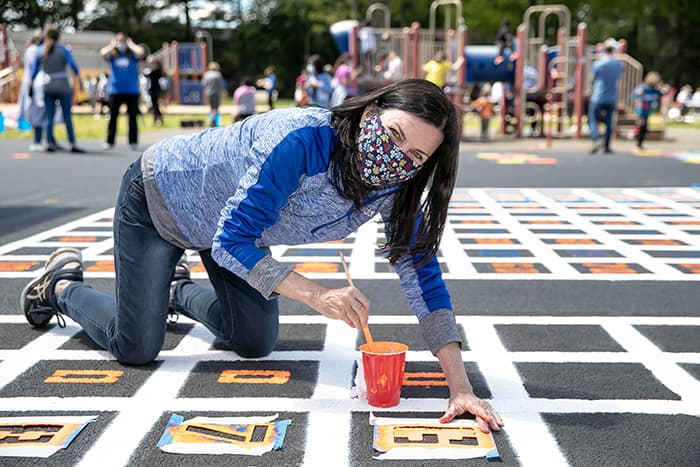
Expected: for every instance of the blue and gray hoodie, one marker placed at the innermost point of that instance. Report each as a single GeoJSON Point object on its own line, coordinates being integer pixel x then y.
{"type": "Point", "coordinates": [263, 182]}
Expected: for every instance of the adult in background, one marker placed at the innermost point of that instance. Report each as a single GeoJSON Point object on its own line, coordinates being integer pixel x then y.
{"type": "Point", "coordinates": [213, 83]}
{"type": "Point", "coordinates": [288, 176]}
{"type": "Point", "coordinates": [646, 98]}
{"type": "Point", "coordinates": [154, 73]}
{"type": "Point", "coordinates": [318, 82]}
{"type": "Point", "coordinates": [123, 56]}
{"type": "Point", "coordinates": [606, 73]}
{"type": "Point", "coordinates": [30, 109]}
{"type": "Point", "coordinates": [55, 61]}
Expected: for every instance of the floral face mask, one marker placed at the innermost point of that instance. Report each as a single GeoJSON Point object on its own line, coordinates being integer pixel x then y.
{"type": "Point", "coordinates": [379, 160]}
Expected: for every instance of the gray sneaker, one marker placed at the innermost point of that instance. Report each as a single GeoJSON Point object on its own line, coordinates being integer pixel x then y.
{"type": "Point", "coordinates": [38, 300]}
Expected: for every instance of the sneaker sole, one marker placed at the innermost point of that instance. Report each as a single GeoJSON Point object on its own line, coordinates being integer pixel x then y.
{"type": "Point", "coordinates": [39, 310]}
{"type": "Point", "coordinates": [23, 295]}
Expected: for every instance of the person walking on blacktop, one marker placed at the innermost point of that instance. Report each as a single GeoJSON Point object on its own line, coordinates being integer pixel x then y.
{"type": "Point", "coordinates": [288, 176]}
{"type": "Point", "coordinates": [123, 55]}
{"type": "Point", "coordinates": [646, 98]}
{"type": "Point", "coordinates": [55, 61]}
{"type": "Point", "coordinates": [606, 73]}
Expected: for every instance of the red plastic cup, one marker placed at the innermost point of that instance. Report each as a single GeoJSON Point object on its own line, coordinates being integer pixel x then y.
{"type": "Point", "coordinates": [383, 364]}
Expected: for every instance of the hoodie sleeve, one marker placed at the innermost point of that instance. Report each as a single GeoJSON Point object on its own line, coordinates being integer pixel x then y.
{"type": "Point", "coordinates": [256, 205]}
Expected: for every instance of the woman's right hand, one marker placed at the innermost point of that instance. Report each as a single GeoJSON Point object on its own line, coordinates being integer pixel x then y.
{"type": "Point", "coordinates": [347, 304]}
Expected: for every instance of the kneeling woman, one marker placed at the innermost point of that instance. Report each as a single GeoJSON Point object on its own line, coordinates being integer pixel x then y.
{"type": "Point", "coordinates": [289, 176]}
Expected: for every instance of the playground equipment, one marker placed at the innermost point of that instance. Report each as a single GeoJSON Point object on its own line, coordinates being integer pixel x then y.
{"type": "Point", "coordinates": [184, 64]}
{"type": "Point", "coordinates": [547, 80]}
{"type": "Point", "coordinates": [9, 64]}
{"type": "Point", "coordinates": [414, 46]}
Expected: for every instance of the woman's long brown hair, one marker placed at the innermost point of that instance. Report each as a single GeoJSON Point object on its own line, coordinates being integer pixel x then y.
{"type": "Point", "coordinates": [428, 102]}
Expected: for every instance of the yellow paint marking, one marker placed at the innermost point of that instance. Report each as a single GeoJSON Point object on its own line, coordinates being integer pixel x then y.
{"type": "Point", "coordinates": [424, 379]}
{"type": "Point", "coordinates": [316, 267]}
{"type": "Point", "coordinates": [514, 268]}
{"type": "Point", "coordinates": [17, 266]}
{"type": "Point", "coordinates": [609, 268]}
{"type": "Point", "coordinates": [106, 265]}
{"type": "Point", "coordinates": [254, 377]}
{"type": "Point", "coordinates": [85, 376]}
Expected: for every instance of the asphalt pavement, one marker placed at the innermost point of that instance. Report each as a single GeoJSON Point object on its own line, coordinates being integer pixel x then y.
{"type": "Point", "coordinates": [574, 279]}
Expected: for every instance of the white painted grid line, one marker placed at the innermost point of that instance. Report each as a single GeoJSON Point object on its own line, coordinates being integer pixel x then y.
{"type": "Point", "coordinates": [633, 254]}
{"type": "Point", "coordinates": [526, 429]}
{"type": "Point", "coordinates": [643, 219]}
{"type": "Point", "coordinates": [123, 435]}
{"type": "Point", "coordinates": [528, 434]}
{"type": "Point", "coordinates": [667, 372]}
{"type": "Point", "coordinates": [459, 264]}
{"type": "Point", "coordinates": [660, 200]}
{"type": "Point", "coordinates": [545, 254]}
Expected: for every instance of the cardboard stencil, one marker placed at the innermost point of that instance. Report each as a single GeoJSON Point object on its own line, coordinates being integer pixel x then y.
{"type": "Point", "coordinates": [252, 436]}
{"type": "Point", "coordinates": [39, 436]}
{"type": "Point", "coordinates": [416, 438]}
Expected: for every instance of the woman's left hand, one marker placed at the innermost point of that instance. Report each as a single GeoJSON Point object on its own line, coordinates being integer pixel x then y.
{"type": "Point", "coordinates": [486, 416]}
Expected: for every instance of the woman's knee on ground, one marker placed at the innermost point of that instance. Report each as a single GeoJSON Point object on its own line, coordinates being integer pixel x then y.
{"type": "Point", "coordinates": [252, 348]}
{"type": "Point", "coordinates": [135, 355]}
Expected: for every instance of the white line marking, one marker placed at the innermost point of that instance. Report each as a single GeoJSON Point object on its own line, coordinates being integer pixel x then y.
{"type": "Point", "coordinates": [124, 433]}
{"type": "Point", "coordinates": [55, 231]}
{"type": "Point", "coordinates": [527, 432]}
{"type": "Point", "coordinates": [667, 372]}
{"type": "Point", "coordinates": [629, 252]}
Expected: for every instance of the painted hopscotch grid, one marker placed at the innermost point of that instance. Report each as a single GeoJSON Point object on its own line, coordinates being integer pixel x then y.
{"type": "Point", "coordinates": [557, 234]}
{"type": "Point", "coordinates": [632, 352]}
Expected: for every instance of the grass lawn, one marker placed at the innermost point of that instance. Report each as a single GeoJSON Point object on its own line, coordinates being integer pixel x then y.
{"type": "Point", "coordinates": [86, 127]}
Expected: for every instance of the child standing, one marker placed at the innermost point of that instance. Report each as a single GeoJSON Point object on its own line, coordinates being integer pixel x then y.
{"type": "Point", "coordinates": [485, 107]}
{"type": "Point", "coordinates": [646, 97]}
{"type": "Point", "coordinates": [244, 98]}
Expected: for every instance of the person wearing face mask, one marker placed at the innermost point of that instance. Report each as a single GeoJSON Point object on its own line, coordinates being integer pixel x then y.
{"type": "Point", "coordinates": [289, 176]}
{"type": "Point", "coordinates": [123, 56]}
{"type": "Point", "coordinates": [318, 84]}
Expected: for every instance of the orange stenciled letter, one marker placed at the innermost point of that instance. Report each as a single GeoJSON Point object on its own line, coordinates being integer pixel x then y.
{"type": "Point", "coordinates": [424, 379]}
{"type": "Point", "coordinates": [609, 268]}
{"type": "Point", "coordinates": [254, 377]}
{"type": "Point", "coordinates": [85, 376]}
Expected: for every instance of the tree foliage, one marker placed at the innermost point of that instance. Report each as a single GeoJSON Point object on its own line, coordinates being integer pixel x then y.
{"type": "Point", "coordinates": [251, 34]}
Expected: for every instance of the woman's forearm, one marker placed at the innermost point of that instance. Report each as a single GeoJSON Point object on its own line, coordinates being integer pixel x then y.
{"type": "Point", "coordinates": [450, 358]}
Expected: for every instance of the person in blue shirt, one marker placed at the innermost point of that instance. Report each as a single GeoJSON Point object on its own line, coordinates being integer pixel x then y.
{"type": "Point", "coordinates": [123, 56]}
{"type": "Point", "coordinates": [269, 84]}
{"type": "Point", "coordinates": [606, 74]}
{"type": "Point", "coordinates": [646, 98]}
{"type": "Point", "coordinates": [289, 176]}
{"type": "Point", "coordinates": [55, 60]}
{"type": "Point", "coordinates": [318, 82]}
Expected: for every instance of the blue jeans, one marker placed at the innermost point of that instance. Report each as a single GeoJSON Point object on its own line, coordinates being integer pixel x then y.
{"type": "Point", "coordinates": [601, 112]}
{"type": "Point", "coordinates": [132, 326]}
{"type": "Point", "coordinates": [65, 101]}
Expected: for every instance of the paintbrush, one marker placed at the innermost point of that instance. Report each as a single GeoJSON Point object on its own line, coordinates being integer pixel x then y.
{"type": "Point", "coordinates": [365, 330]}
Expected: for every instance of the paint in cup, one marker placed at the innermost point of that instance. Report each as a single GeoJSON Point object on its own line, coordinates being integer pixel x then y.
{"type": "Point", "coordinates": [383, 364]}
